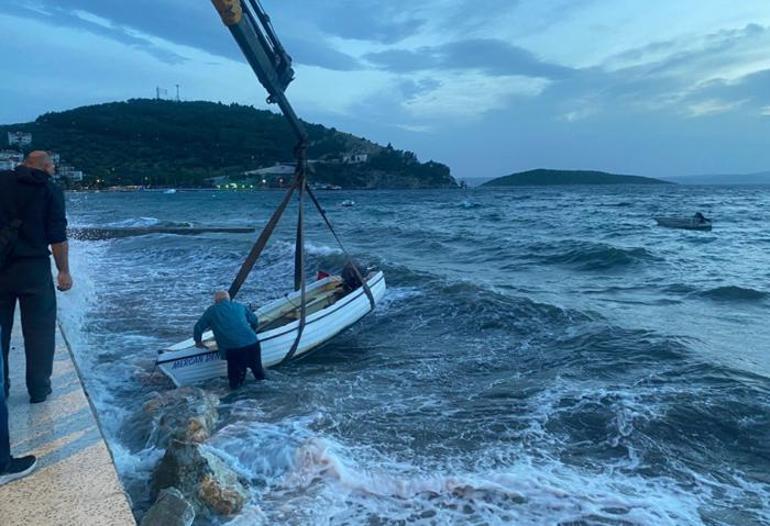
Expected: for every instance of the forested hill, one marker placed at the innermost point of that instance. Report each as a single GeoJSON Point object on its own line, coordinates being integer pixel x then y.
{"type": "Point", "coordinates": [542, 177]}
{"type": "Point", "coordinates": [185, 143]}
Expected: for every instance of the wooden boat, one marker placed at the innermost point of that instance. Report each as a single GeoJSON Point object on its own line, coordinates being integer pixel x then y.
{"type": "Point", "coordinates": [330, 309]}
{"type": "Point", "coordinates": [314, 313]}
{"type": "Point", "coordinates": [687, 223]}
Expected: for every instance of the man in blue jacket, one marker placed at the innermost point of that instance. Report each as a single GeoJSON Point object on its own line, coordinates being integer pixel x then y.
{"type": "Point", "coordinates": [235, 331]}
{"type": "Point", "coordinates": [29, 195]}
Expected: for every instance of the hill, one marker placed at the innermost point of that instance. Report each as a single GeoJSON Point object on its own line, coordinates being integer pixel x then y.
{"type": "Point", "coordinates": [541, 177]}
{"type": "Point", "coordinates": [167, 143]}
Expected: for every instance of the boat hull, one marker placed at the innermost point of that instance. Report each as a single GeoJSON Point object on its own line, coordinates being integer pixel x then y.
{"type": "Point", "coordinates": [186, 364]}
{"type": "Point", "coordinates": [685, 223]}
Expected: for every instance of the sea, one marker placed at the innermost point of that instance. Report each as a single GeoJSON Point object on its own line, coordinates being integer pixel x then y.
{"type": "Point", "coordinates": [543, 356]}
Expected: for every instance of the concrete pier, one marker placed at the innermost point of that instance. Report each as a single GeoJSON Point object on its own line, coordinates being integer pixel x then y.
{"type": "Point", "coordinates": [75, 482]}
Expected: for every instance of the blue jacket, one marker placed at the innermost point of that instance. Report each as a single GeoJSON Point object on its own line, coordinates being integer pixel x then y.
{"type": "Point", "coordinates": [233, 324]}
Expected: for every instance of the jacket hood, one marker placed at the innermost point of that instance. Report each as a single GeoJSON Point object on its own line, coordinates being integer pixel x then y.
{"type": "Point", "coordinates": [33, 176]}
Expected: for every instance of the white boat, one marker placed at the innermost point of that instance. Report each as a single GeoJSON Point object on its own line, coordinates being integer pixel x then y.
{"type": "Point", "coordinates": [330, 309]}
{"type": "Point", "coordinates": [687, 223]}
{"type": "Point", "coordinates": [170, 191]}
{"type": "Point", "coordinates": [348, 202]}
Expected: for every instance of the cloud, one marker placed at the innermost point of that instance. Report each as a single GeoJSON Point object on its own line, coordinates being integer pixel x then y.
{"type": "Point", "coordinates": [97, 25]}
{"type": "Point", "coordinates": [491, 56]}
{"type": "Point", "coordinates": [713, 107]}
{"type": "Point", "coordinates": [376, 21]}
{"type": "Point", "coordinates": [146, 24]}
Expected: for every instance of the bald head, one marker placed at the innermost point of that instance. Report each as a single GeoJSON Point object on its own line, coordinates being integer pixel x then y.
{"type": "Point", "coordinates": [221, 295]}
{"type": "Point", "coordinates": [40, 160]}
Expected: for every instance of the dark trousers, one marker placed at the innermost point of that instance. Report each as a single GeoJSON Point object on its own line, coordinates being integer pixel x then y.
{"type": "Point", "coordinates": [5, 440]}
{"type": "Point", "coordinates": [30, 283]}
{"type": "Point", "coordinates": [239, 360]}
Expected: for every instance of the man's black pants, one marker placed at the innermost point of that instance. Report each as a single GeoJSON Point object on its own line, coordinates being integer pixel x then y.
{"type": "Point", "coordinates": [30, 283]}
{"type": "Point", "coordinates": [239, 360]}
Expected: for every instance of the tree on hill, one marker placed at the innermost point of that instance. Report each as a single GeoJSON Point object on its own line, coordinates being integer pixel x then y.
{"type": "Point", "coordinates": [159, 142]}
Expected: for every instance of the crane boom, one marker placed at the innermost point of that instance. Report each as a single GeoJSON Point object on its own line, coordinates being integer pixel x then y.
{"type": "Point", "coordinates": [250, 26]}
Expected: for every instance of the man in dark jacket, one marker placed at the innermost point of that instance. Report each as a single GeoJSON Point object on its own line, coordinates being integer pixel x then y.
{"type": "Point", "coordinates": [29, 194]}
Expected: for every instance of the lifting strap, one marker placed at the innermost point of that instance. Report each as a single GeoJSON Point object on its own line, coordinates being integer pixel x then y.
{"type": "Point", "coordinates": [259, 246]}
{"type": "Point", "coordinates": [299, 266]}
{"type": "Point", "coordinates": [367, 290]}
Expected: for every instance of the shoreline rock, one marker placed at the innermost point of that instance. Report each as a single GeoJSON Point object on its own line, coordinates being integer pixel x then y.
{"type": "Point", "coordinates": [188, 414]}
{"type": "Point", "coordinates": [171, 509]}
{"type": "Point", "coordinates": [210, 485]}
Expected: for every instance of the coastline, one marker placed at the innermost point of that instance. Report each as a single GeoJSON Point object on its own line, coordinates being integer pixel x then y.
{"type": "Point", "coordinates": [76, 481]}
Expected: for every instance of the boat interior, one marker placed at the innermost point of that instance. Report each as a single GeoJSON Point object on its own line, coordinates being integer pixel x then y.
{"type": "Point", "coordinates": [316, 300]}
{"type": "Point", "coordinates": [288, 310]}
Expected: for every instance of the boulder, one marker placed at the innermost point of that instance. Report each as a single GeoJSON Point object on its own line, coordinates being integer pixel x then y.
{"type": "Point", "coordinates": [210, 485]}
{"type": "Point", "coordinates": [171, 509]}
{"type": "Point", "coordinates": [188, 414]}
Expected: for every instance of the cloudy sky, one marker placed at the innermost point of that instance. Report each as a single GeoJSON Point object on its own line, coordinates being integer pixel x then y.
{"type": "Point", "coordinates": [651, 87]}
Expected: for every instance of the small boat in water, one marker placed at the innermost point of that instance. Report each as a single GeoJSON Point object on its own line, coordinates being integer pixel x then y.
{"type": "Point", "coordinates": [314, 312]}
{"type": "Point", "coordinates": [331, 307]}
{"type": "Point", "coordinates": [696, 222]}
{"type": "Point", "coordinates": [348, 202]}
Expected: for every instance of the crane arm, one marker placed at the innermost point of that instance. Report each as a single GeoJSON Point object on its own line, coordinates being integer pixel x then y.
{"type": "Point", "coordinates": [250, 26]}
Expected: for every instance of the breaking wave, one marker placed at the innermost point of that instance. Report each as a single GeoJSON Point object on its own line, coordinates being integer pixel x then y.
{"type": "Point", "coordinates": [495, 384]}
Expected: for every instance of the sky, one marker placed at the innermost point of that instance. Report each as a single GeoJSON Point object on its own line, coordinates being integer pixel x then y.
{"type": "Point", "coordinates": [489, 87]}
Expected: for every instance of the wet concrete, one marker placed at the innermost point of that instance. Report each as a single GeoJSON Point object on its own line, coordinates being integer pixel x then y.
{"type": "Point", "coordinates": [75, 482]}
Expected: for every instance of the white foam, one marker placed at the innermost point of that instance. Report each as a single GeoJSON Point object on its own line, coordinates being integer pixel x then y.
{"type": "Point", "coordinates": [135, 222]}
{"type": "Point", "coordinates": [317, 479]}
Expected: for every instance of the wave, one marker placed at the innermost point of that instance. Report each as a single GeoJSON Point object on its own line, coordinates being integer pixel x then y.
{"type": "Point", "coordinates": [137, 222]}
{"type": "Point", "coordinates": [467, 204]}
{"type": "Point", "coordinates": [319, 480]}
{"type": "Point", "coordinates": [585, 255]}
{"type": "Point", "coordinates": [734, 293]}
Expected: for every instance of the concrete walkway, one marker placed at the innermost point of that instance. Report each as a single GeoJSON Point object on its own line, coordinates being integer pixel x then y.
{"type": "Point", "coordinates": [75, 482]}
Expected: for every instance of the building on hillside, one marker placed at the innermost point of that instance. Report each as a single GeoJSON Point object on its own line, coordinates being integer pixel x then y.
{"type": "Point", "coordinates": [218, 181]}
{"type": "Point", "coordinates": [65, 171]}
{"type": "Point", "coordinates": [10, 159]}
{"type": "Point", "coordinates": [274, 176]}
{"type": "Point", "coordinates": [278, 169]}
{"type": "Point", "coordinates": [75, 176]}
{"type": "Point", "coordinates": [355, 158]}
{"type": "Point", "coordinates": [19, 138]}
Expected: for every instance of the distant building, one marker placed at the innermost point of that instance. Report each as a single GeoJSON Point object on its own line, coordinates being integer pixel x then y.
{"type": "Point", "coordinates": [18, 138]}
{"type": "Point", "coordinates": [218, 181]}
{"type": "Point", "coordinates": [277, 169]}
{"type": "Point", "coordinates": [68, 172]}
{"type": "Point", "coordinates": [10, 159]}
{"type": "Point", "coordinates": [355, 158]}
{"type": "Point", "coordinates": [74, 175]}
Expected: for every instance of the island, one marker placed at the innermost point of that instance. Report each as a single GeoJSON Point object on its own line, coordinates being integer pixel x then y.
{"type": "Point", "coordinates": [545, 177]}
{"type": "Point", "coordinates": [151, 143]}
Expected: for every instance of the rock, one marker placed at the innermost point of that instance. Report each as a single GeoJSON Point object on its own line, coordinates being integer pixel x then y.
{"type": "Point", "coordinates": [171, 509]}
{"type": "Point", "coordinates": [187, 414]}
{"type": "Point", "coordinates": [209, 484]}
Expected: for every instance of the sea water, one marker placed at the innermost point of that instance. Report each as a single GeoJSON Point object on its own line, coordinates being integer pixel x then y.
{"type": "Point", "coordinates": [543, 356]}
